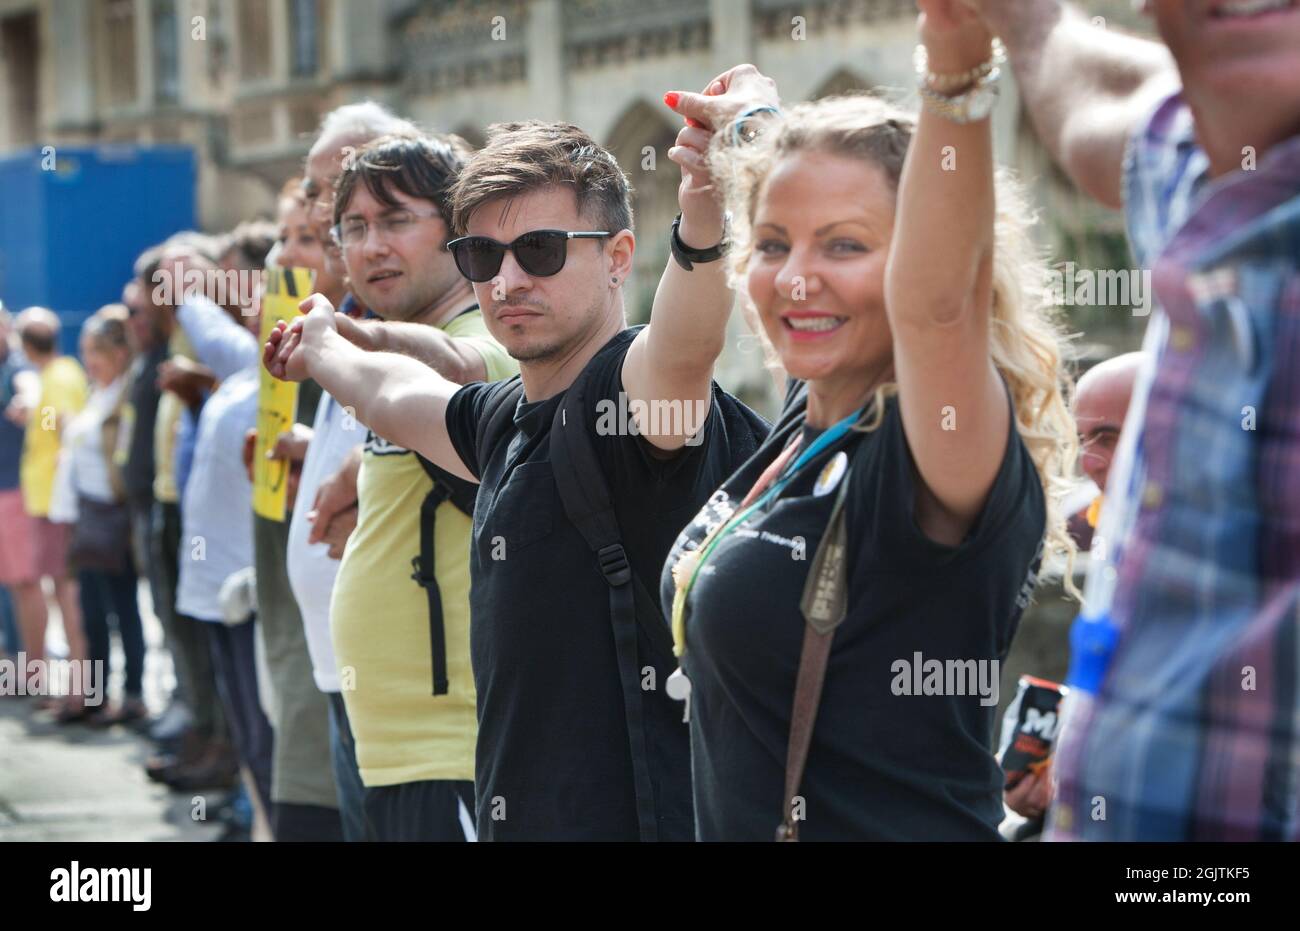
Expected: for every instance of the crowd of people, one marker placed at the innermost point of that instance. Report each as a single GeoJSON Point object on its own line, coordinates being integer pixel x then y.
{"type": "Point", "coordinates": [489, 614]}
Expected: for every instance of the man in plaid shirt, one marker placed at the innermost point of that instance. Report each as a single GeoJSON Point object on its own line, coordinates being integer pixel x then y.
{"type": "Point", "coordinates": [1194, 731]}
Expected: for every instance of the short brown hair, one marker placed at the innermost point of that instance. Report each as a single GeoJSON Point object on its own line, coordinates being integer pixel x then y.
{"type": "Point", "coordinates": [420, 166]}
{"type": "Point", "coordinates": [249, 243]}
{"type": "Point", "coordinates": [523, 157]}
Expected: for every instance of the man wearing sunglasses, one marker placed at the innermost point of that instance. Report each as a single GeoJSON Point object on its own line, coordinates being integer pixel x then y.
{"type": "Point", "coordinates": [568, 749]}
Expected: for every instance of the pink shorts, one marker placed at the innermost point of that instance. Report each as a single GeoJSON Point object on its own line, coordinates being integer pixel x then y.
{"type": "Point", "coordinates": [51, 547]}
{"type": "Point", "coordinates": [17, 540]}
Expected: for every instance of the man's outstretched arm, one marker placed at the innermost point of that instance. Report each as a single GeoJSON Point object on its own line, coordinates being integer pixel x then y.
{"type": "Point", "coordinates": [398, 398]}
{"type": "Point", "coordinates": [456, 359]}
{"type": "Point", "coordinates": [1086, 88]}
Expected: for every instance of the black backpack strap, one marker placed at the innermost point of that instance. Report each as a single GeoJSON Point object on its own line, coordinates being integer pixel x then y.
{"type": "Point", "coordinates": [423, 575]}
{"type": "Point", "coordinates": [590, 507]}
{"type": "Point", "coordinates": [462, 494]}
{"type": "Point", "coordinates": [458, 491]}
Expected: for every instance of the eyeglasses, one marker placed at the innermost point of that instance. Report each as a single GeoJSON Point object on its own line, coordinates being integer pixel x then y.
{"type": "Point", "coordinates": [353, 232]}
{"type": "Point", "coordinates": [540, 253]}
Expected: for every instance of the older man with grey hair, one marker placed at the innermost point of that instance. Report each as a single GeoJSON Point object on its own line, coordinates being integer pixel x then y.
{"type": "Point", "coordinates": [343, 131]}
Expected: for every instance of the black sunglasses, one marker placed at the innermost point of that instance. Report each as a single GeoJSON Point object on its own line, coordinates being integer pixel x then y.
{"type": "Point", "coordinates": [540, 253]}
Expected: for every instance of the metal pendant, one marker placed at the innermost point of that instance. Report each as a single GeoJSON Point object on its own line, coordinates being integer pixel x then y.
{"type": "Point", "coordinates": [678, 688]}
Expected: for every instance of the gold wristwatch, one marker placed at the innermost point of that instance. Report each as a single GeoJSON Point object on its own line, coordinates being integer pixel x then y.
{"type": "Point", "coordinates": [974, 103]}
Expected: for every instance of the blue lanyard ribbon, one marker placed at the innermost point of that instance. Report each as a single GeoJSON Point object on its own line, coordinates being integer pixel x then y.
{"type": "Point", "coordinates": [830, 437]}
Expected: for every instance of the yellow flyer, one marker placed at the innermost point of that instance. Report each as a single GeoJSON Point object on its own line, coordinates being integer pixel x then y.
{"type": "Point", "coordinates": [277, 401]}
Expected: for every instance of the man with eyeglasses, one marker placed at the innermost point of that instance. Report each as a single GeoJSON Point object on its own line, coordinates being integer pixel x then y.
{"type": "Point", "coordinates": [397, 630]}
{"type": "Point", "coordinates": [308, 800]}
{"type": "Point", "coordinates": [569, 748]}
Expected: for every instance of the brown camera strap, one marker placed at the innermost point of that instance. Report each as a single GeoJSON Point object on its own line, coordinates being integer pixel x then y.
{"type": "Point", "coordinates": [824, 604]}
{"type": "Point", "coordinates": [807, 697]}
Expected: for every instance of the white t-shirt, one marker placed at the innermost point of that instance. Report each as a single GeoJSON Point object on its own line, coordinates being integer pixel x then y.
{"type": "Point", "coordinates": [83, 465]}
{"type": "Point", "coordinates": [311, 570]}
{"type": "Point", "coordinates": [217, 512]}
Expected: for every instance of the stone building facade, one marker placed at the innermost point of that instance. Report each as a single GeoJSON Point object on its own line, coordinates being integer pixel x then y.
{"type": "Point", "coordinates": [245, 82]}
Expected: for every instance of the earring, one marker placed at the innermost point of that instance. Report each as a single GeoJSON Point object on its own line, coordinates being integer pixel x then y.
{"type": "Point", "coordinates": [614, 280]}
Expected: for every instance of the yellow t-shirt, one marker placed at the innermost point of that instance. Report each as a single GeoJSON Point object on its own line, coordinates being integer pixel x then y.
{"type": "Point", "coordinates": [64, 390]}
{"type": "Point", "coordinates": [166, 425]}
{"type": "Point", "coordinates": [379, 615]}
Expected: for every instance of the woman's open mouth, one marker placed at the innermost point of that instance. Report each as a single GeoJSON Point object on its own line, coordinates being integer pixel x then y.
{"type": "Point", "coordinates": [810, 325]}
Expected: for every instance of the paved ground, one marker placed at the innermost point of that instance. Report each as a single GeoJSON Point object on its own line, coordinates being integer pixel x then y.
{"type": "Point", "coordinates": [73, 783]}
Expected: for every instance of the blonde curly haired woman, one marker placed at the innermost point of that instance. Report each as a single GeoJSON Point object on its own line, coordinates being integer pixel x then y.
{"type": "Point", "coordinates": [848, 595]}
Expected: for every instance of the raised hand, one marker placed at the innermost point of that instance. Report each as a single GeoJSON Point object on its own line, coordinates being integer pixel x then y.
{"type": "Point", "coordinates": [724, 99]}
{"type": "Point", "coordinates": [954, 34]}
{"type": "Point", "coordinates": [727, 96]}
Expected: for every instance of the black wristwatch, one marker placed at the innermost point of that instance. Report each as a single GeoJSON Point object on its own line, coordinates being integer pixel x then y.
{"type": "Point", "coordinates": [686, 257]}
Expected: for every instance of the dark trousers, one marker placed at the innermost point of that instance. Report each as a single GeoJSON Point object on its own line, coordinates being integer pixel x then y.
{"type": "Point", "coordinates": [433, 810]}
{"type": "Point", "coordinates": [148, 564]}
{"type": "Point", "coordinates": [236, 680]}
{"type": "Point", "coordinates": [189, 642]}
{"type": "Point", "coordinates": [292, 822]}
{"type": "Point", "coordinates": [107, 595]}
{"type": "Point", "coordinates": [347, 778]}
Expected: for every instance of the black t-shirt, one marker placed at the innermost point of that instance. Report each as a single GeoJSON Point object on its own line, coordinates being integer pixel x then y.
{"type": "Point", "coordinates": [553, 759]}
{"type": "Point", "coordinates": [882, 766]}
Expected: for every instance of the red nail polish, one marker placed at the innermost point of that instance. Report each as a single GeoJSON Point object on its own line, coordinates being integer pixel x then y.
{"type": "Point", "coordinates": [671, 98]}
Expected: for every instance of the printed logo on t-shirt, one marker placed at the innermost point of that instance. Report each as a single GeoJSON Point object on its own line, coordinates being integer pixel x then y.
{"type": "Point", "coordinates": [1031, 581]}
{"type": "Point", "coordinates": [719, 509]}
{"type": "Point", "coordinates": [716, 510]}
{"type": "Point", "coordinates": [378, 446]}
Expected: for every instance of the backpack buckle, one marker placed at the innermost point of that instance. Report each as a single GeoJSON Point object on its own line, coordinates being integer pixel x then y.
{"type": "Point", "coordinates": [417, 575]}
{"type": "Point", "coordinates": [614, 565]}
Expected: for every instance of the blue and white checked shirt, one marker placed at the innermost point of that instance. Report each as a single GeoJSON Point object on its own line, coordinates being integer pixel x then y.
{"type": "Point", "coordinates": [1195, 732]}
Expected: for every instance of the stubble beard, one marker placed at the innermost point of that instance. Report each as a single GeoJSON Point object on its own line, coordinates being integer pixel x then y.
{"type": "Point", "coordinates": [560, 348]}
